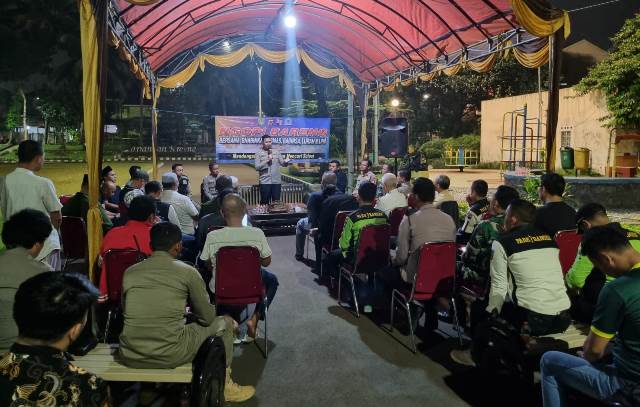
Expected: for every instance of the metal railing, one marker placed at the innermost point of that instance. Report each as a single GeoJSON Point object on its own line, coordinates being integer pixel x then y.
{"type": "Point", "coordinates": [291, 193]}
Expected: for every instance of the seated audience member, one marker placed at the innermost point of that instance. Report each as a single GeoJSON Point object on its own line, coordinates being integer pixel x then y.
{"type": "Point", "coordinates": [50, 311]}
{"type": "Point", "coordinates": [478, 206]}
{"type": "Point", "coordinates": [404, 179]}
{"type": "Point", "coordinates": [427, 224]}
{"type": "Point", "coordinates": [184, 188]}
{"type": "Point", "coordinates": [23, 235]}
{"type": "Point", "coordinates": [235, 184]}
{"type": "Point", "coordinates": [477, 256]}
{"type": "Point", "coordinates": [78, 206]}
{"type": "Point", "coordinates": [185, 209]}
{"type": "Point", "coordinates": [132, 171]}
{"type": "Point", "coordinates": [212, 219]}
{"type": "Point", "coordinates": [135, 188]}
{"type": "Point", "coordinates": [526, 279]}
{"type": "Point", "coordinates": [555, 215]}
{"type": "Point", "coordinates": [109, 175]}
{"type": "Point", "coordinates": [442, 188]}
{"type": "Point", "coordinates": [314, 204]}
{"type": "Point", "coordinates": [584, 281]}
{"type": "Point", "coordinates": [235, 234]}
{"type": "Point", "coordinates": [365, 215]}
{"type": "Point", "coordinates": [617, 315]}
{"type": "Point", "coordinates": [528, 257]}
{"type": "Point", "coordinates": [157, 336]}
{"type": "Point", "coordinates": [365, 175]}
{"type": "Point", "coordinates": [386, 169]}
{"type": "Point", "coordinates": [133, 235]}
{"type": "Point", "coordinates": [392, 197]}
{"type": "Point", "coordinates": [209, 182]}
{"type": "Point", "coordinates": [341, 177]}
{"type": "Point", "coordinates": [164, 211]}
{"type": "Point", "coordinates": [223, 182]}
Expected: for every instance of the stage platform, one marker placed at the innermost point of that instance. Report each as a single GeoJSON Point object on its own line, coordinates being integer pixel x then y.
{"type": "Point", "coordinates": [277, 223]}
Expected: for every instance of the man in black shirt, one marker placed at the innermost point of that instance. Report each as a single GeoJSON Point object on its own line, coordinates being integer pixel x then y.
{"type": "Point", "coordinates": [555, 215]}
{"type": "Point", "coordinates": [329, 209]}
{"type": "Point", "coordinates": [341, 183]}
{"type": "Point", "coordinates": [50, 311]}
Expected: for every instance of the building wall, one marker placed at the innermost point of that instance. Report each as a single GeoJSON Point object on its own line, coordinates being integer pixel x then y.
{"type": "Point", "coordinates": [578, 114]}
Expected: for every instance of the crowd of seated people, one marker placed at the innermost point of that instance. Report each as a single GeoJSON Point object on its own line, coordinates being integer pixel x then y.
{"type": "Point", "coordinates": [510, 249]}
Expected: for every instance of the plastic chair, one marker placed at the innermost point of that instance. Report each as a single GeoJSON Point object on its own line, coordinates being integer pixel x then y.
{"type": "Point", "coordinates": [117, 261]}
{"type": "Point", "coordinates": [338, 225]}
{"type": "Point", "coordinates": [239, 281]}
{"type": "Point", "coordinates": [568, 242]}
{"type": "Point", "coordinates": [209, 370]}
{"type": "Point", "coordinates": [64, 199]}
{"type": "Point", "coordinates": [214, 227]}
{"type": "Point", "coordinates": [372, 254]}
{"type": "Point", "coordinates": [395, 217]}
{"type": "Point", "coordinates": [451, 208]}
{"type": "Point", "coordinates": [73, 233]}
{"type": "Point", "coordinates": [435, 277]}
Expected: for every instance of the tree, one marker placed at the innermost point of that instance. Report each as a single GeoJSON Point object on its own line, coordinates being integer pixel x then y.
{"type": "Point", "coordinates": [618, 77]}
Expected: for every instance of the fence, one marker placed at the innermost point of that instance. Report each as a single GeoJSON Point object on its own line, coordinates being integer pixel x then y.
{"type": "Point", "coordinates": [291, 193]}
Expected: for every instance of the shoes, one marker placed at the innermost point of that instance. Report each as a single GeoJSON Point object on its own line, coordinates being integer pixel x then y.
{"type": "Point", "coordinates": [238, 340]}
{"type": "Point", "coordinates": [462, 357]}
{"type": "Point", "coordinates": [234, 393]}
{"type": "Point", "coordinates": [299, 257]}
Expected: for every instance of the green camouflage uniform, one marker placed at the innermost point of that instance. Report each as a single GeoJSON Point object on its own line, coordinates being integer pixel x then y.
{"type": "Point", "coordinates": [477, 258]}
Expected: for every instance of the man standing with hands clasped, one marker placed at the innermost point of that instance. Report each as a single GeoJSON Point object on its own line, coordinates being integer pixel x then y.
{"type": "Point", "coordinates": [268, 163]}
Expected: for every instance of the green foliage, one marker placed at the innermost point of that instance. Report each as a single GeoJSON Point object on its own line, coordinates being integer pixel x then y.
{"type": "Point", "coordinates": [433, 150]}
{"type": "Point", "coordinates": [530, 188]}
{"type": "Point", "coordinates": [618, 76]}
{"type": "Point", "coordinates": [463, 208]}
{"type": "Point", "coordinates": [629, 226]}
{"type": "Point", "coordinates": [14, 114]}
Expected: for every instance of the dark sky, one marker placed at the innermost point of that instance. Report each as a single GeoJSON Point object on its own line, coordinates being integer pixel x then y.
{"type": "Point", "coordinates": [597, 24]}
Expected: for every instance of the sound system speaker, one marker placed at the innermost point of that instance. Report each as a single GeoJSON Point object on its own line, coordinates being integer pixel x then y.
{"type": "Point", "coordinates": [393, 137]}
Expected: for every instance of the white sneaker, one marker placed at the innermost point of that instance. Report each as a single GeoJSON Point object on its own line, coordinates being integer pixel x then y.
{"type": "Point", "coordinates": [462, 357]}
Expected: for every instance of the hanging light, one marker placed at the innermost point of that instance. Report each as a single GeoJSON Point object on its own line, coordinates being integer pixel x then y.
{"type": "Point", "coordinates": [395, 102]}
{"type": "Point", "coordinates": [290, 21]}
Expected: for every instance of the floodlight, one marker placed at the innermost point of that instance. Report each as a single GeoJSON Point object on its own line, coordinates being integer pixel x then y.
{"type": "Point", "coordinates": [226, 44]}
{"type": "Point", "coordinates": [290, 21]}
{"type": "Point", "coordinates": [395, 102]}
{"type": "Point", "coordinates": [426, 96]}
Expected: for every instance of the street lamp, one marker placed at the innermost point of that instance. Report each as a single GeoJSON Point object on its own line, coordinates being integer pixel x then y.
{"type": "Point", "coordinates": [395, 102]}
{"type": "Point", "coordinates": [426, 96]}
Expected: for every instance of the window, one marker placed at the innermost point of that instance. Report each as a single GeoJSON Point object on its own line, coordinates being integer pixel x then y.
{"type": "Point", "coordinates": [565, 137]}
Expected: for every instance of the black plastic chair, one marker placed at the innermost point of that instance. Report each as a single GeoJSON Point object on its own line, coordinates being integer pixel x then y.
{"type": "Point", "coordinates": [451, 209]}
{"type": "Point", "coordinates": [209, 373]}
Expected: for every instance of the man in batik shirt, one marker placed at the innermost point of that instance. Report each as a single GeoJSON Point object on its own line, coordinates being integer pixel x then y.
{"type": "Point", "coordinates": [50, 311]}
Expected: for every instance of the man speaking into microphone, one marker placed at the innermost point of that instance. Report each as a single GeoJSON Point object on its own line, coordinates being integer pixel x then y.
{"type": "Point", "coordinates": [268, 163]}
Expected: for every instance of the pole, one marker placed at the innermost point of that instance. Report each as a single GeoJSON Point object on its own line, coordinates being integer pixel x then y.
{"type": "Point", "coordinates": [350, 140]}
{"type": "Point", "coordinates": [555, 48]}
{"type": "Point", "coordinates": [539, 114]}
{"type": "Point", "coordinates": [524, 136]}
{"type": "Point", "coordinates": [259, 92]}
{"type": "Point", "coordinates": [376, 120]}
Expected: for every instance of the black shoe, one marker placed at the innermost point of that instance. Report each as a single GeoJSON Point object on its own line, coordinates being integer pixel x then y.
{"type": "Point", "coordinates": [299, 257]}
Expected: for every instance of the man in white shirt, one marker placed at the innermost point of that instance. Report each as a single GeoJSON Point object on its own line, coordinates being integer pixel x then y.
{"type": "Point", "coordinates": [185, 209]}
{"type": "Point", "coordinates": [23, 189]}
{"type": "Point", "coordinates": [392, 197]}
{"type": "Point", "coordinates": [235, 234]}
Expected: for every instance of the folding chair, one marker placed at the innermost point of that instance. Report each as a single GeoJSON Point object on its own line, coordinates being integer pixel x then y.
{"type": "Point", "coordinates": [568, 242]}
{"type": "Point", "coordinates": [395, 217]}
{"type": "Point", "coordinates": [372, 254]}
{"type": "Point", "coordinates": [338, 225]}
{"type": "Point", "coordinates": [117, 261]}
{"type": "Point", "coordinates": [435, 277]}
{"type": "Point", "coordinates": [239, 281]}
{"type": "Point", "coordinates": [73, 233]}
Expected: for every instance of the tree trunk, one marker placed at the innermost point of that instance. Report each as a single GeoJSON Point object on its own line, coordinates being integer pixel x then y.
{"type": "Point", "coordinates": [25, 133]}
{"type": "Point", "coordinates": [46, 130]}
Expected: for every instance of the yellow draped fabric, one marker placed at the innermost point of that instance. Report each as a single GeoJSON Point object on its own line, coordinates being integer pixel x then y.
{"type": "Point", "coordinates": [534, 59]}
{"type": "Point", "coordinates": [92, 123]}
{"type": "Point", "coordinates": [133, 66]}
{"type": "Point", "coordinates": [454, 69]}
{"type": "Point", "coordinates": [539, 26]}
{"type": "Point", "coordinates": [429, 76]}
{"type": "Point", "coordinates": [249, 50]}
{"type": "Point", "coordinates": [154, 135]}
{"type": "Point", "coordinates": [484, 65]}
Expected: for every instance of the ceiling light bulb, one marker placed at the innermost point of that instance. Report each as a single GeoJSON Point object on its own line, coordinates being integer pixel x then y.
{"type": "Point", "coordinates": [290, 21]}
{"type": "Point", "coordinates": [395, 102]}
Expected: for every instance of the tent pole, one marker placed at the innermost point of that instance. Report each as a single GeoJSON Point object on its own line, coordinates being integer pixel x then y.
{"type": "Point", "coordinates": [350, 162]}
{"type": "Point", "coordinates": [555, 46]}
{"type": "Point", "coordinates": [376, 119]}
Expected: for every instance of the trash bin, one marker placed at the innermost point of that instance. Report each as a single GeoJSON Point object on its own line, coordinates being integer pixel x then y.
{"type": "Point", "coordinates": [581, 158]}
{"type": "Point", "coordinates": [566, 158]}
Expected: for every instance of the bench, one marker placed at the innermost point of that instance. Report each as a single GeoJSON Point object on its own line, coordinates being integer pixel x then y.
{"type": "Point", "coordinates": [206, 374]}
{"type": "Point", "coordinates": [574, 336]}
